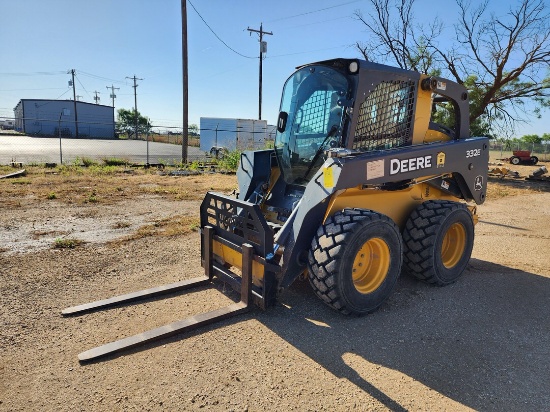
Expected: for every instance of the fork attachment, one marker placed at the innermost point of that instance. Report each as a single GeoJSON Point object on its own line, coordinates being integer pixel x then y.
{"type": "Point", "coordinates": [193, 322]}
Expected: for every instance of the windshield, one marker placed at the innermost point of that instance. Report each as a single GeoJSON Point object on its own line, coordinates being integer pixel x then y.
{"type": "Point", "coordinates": [310, 97]}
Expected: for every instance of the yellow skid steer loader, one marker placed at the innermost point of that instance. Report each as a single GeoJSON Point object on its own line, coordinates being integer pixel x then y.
{"type": "Point", "coordinates": [361, 185]}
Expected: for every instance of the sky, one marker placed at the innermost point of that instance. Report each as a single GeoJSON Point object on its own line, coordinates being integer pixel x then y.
{"type": "Point", "coordinates": [109, 41]}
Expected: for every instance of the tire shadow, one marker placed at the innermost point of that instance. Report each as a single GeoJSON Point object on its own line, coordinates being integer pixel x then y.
{"type": "Point", "coordinates": [482, 342]}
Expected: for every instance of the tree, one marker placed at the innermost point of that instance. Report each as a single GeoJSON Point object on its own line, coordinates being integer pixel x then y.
{"type": "Point", "coordinates": [531, 138]}
{"type": "Point", "coordinates": [193, 130]}
{"type": "Point", "coordinates": [502, 60]}
{"type": "Point", "coordinates": [126, 122]}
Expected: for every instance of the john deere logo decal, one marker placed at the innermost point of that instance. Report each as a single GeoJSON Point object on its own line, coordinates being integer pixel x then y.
{"type": "Point", "coordinates": [478, 183]}
{"type": "Point", "coordinates": [440, 160]}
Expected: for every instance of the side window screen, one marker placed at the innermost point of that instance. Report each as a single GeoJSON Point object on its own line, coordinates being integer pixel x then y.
{"type": "Point", "coordinates": [385, 117]}
{"type": "Point", "coordinates": [313, 114]}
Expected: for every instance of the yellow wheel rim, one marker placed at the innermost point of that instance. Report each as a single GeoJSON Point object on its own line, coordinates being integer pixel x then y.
{"type": "Point", "coordinates": [453, 245]}
{"type": "Point", "coordinates": [370, 266]}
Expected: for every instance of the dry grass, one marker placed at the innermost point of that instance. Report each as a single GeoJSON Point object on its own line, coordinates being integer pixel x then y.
{"type": "Point", "coordinates": [107, 185]}
{"type": "Point", "coordinates": [497, 190]}
{"type": "Point", "coordinates": [78, 185]}
{"type": "Point", "coordinates": [172, 226]}
{"type": "Point", "coordinates": [510, 186]}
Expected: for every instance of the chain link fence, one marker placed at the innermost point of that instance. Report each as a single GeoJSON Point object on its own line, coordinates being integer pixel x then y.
{"type": "Point", "coordinates": [504, 149]}
{"type": "Point", "coordinates": [147, 151]}
{"type": "Point", "coordinates": [55, 141]}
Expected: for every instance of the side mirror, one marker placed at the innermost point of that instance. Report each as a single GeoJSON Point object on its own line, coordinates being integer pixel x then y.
{"type": "Point", "coordinates": [281, 123]}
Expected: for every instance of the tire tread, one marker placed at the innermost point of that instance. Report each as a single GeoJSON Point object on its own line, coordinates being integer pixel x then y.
{"type": "Point", "coordinates": [325, 253]}
{"type": "Point", "coordinates": [419, 236]}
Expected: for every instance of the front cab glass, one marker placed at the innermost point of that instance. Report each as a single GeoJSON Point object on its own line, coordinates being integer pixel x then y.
{"type": "Point", "coordinates": [314, 121]}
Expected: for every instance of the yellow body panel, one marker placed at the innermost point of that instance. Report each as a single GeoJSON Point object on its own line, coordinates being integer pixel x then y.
{"type": "Point", "coordinates": [397, 204]}
{"type": "Point", "coordinates": [235, 259]}
{"type": "Point", "coordinates": [421, 132]}
{"type": "Point", "coordinates": [423, 113]}
{"type": "Point", "coordinates": [435, 136]}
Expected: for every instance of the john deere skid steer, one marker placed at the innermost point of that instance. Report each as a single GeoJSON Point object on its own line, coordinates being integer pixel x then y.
{"type": "Point", "coordinates": [361, 185]}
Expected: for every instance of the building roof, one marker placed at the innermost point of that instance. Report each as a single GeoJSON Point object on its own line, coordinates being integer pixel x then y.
{"type": "Point", "coordinates": [55, 100]}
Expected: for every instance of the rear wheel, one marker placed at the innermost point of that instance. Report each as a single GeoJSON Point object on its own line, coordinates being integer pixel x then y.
{"type": "Point", "coordinates": [515, 160]}
{"type": "Point", "coordinates": [438, 241]}
{"type": "Point", "coordinates": [355, 260]}
{"type": "Point", "coordinates": [534, 160]}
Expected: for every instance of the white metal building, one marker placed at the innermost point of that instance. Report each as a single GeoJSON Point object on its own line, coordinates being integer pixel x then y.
{"type": "Point", "coordinates": [232, 134]}
{"type": "Point", "coordinates": [50, 117]}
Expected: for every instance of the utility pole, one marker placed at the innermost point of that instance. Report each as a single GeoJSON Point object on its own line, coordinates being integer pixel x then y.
{"type": "Point", "coordinates": [185, 130]}
{"type": "Point", "coordinates": [72, 72]}
{"type": "Point", "coordinates": [263, 49]}
{"type": "Point", "coordinates": [135, 102]}
{"type": "Point", "coordinates": [113, 95]}
{"type": "Point", "coordinates": [96, 97]}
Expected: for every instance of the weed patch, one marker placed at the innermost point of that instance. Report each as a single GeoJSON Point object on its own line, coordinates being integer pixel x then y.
{"type": "Point", "coordinates": [171, 226]}
{"type": "Point", "coordinates": [114, 161]}
{"type": "Point", "coordinates": [67, 243]}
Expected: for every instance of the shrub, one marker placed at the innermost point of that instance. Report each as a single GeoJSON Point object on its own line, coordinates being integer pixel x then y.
{"type": "Point", "coordinates": [114, 161]}
{"type": "Point", "coordinates": [87, 162]}
{"type": "Point", "coordinates": [230, 161]}
{"type": "Point", "coordinates": [66, 243]}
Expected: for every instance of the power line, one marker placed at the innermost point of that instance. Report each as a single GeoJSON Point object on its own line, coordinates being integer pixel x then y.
{"type": "Point", "coordinates": [57, 98]}
{"type": "Point", "coordinates": [318, 22]}
{"type": "Point", "coordinates": [310, 51]}
{"type": "Point", "coordinates": [314, 11]}
{"type": "Point", "coordinates": [218, 37]}
{"type": "Point", "coordinates": [33, 74]}
{"type": "Point", "coordinates": [95, 76]}
{"type": "Point", "coordinates": [62, 94]}
{"type": "Point", "coordinates": [89, 95]}
{"type": "Point", "coordinates": [19, 90]}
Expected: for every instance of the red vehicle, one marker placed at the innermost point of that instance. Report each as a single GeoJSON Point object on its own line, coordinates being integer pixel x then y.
{"type": "Point", "coordinates": [523, 156]}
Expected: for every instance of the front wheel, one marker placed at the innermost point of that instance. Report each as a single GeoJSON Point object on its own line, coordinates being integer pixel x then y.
{"type": "Point", "coordinates": [438, 241]}
{"type": "Point", "coordinates": [534, 160]}
{"type": "Point", "coordinates": [355, 260]}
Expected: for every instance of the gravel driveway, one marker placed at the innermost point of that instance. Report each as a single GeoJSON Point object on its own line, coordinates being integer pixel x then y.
{"type": "Point", "coordinates": [481, 343]}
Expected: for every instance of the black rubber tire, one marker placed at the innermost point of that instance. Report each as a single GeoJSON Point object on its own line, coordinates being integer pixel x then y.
{"type": "Point", "coordinates": [515, 160]}
{"type": "Point", "coordinates": [534, 160]}
{"type": "Point", "coordinates": [423, 239]}
{"type": "Point", "coordinates": [332, 254]}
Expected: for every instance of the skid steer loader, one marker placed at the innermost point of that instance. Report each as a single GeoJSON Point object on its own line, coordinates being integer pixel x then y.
{"type": "Point", "coordinates": [360, 185]}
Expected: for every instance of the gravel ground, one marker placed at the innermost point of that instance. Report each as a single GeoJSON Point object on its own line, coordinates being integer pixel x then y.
{"type": "Point", "coordinates": [481, 343]}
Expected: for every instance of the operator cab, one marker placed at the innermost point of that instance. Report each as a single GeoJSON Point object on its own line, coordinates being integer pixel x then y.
{"type": "Point", "coordinates": [311, 120]}
{"type": "Point", "coordinates": [361, 106]}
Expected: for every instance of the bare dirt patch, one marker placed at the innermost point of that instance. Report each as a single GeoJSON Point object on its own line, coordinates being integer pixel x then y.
{"type": "Point", "coordinates": [481, 343]}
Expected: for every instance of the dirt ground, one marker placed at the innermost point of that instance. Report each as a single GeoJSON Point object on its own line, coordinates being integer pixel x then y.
{"type": "Point", "coordinates": [481, 343]}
